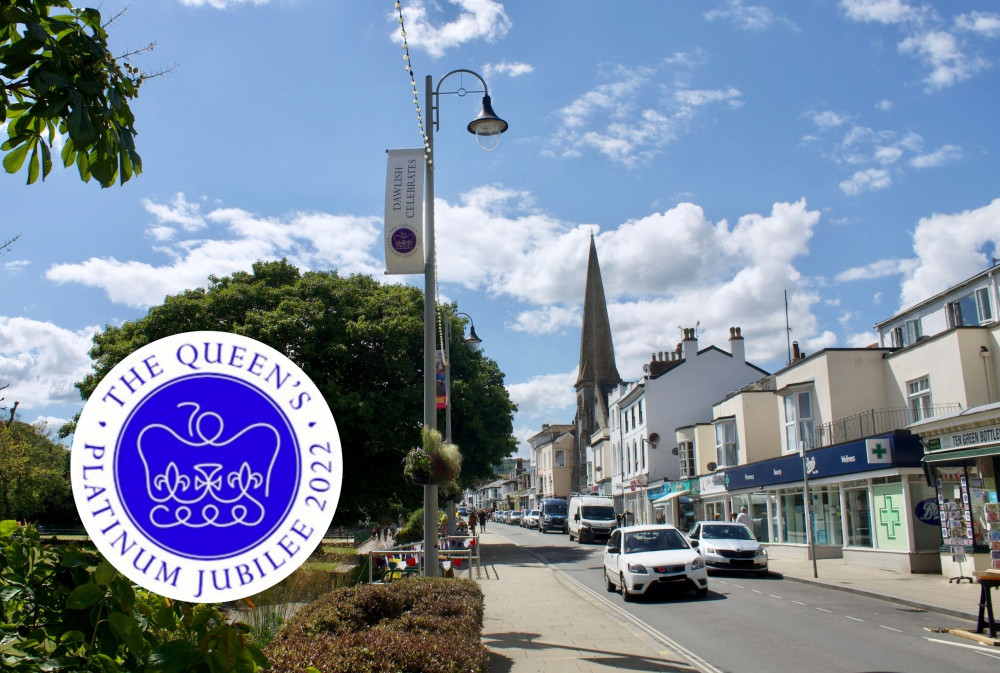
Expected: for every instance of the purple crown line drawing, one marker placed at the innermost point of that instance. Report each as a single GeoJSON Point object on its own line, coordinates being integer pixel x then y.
{"type": "Point", "coordinates": [204, 479]}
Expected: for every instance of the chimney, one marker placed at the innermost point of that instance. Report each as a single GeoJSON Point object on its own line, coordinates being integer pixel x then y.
{"type": "Point", "coordinates": [690, 344]}
{"type": "Point", "coordinates": [795, 351]}
{"type": "Point", "coordinates": [736, 345]}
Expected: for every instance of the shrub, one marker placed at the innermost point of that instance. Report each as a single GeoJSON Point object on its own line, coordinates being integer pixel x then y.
{"type": "Point", "coordinates": [63, 606]}
{"type": "Point", "coordinates": [423, 624]}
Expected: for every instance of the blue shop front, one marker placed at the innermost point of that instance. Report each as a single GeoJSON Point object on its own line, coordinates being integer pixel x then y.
{"type": "Point", "coordinates": [869, 504]}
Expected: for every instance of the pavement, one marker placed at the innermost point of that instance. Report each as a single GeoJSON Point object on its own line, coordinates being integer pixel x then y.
{"type": "Point", "coordinates": [525, 630]}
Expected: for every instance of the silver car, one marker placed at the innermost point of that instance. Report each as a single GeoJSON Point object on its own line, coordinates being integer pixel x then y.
{"type": "Point", "coordinates": [729, 546]}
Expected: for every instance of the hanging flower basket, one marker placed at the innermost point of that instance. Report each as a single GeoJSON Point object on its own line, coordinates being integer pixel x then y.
{"type": "Point", "coordinates": [451, 492]}
{"type": "Point", "coordinates": [436, 462]}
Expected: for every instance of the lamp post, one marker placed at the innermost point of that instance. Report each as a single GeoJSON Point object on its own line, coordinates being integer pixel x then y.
{"type": "Point", "coordinates": [806, 506]}
{"type": "Point", "coordinates": [472, 343]}
{"type": "Point", "coordinates": [487, 128]}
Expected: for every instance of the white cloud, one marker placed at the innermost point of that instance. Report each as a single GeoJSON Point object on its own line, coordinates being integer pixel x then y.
{"type": "Point", "coordinates": [221, 4]}
{"type": "Point", "coordinates": [515, 69]}
{"type": "Point", "coordinates": [754, 17]}
{"type": "Point", "coordinates": [941, 52]}
{"type": "Point", "coordinates": [868, 180]}
{"type": "Point", "coordinates": [879, 11]}
{"type": "Point", "coordinates": [620, 121]}
{"type": "Point", "coordinates": [828, 119]}
{"type": "Point", "coordinates": [879, 269]}
{"type": "Point", "coordinates": [949, 249]}
{"type": "Point", "coordinates": [939, 157]}
{"type": "Point", "coordinates": [985, 24]}
{"type": "Point", "coordinates": [883, 105]}
{"type": "Point", "coordinates": [545, 398]}
{"type": "Point", "coordinates": [862, 339]}
{"type": "Point", "coordinates": [547, 320]}
{"type": "Point", "coordinates": [308, 240]}
{"type": "Point", "coordinates": [16, 266]}
{"type": "Point", "coordinates": [41, 361]}
{"type": "Point", "coordinates": [478, 19]}
{"type": "Point", "coordinates": [178, 212]}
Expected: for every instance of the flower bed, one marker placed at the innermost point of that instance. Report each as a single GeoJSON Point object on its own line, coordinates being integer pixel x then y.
{"type": "Point", "coordinates": [431, 625]}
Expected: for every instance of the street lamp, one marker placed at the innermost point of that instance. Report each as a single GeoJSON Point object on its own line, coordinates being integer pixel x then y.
{"type": "Point", "coordinates": [487, 128]}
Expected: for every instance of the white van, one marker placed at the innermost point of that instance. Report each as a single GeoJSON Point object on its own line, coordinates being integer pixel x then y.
{"type": "Point", "coordinates": [591, 517]}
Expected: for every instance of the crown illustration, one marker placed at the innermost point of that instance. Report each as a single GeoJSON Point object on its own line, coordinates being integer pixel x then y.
{"type": "Point", "coordinates": [207, 479]}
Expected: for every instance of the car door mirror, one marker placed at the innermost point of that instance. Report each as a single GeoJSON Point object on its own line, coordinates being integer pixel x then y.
{"type": "Point", "coordinates": [694, 543]}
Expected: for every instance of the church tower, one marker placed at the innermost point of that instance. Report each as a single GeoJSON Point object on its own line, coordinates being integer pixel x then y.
{"type": "Point", "coordinates": [597, 375]}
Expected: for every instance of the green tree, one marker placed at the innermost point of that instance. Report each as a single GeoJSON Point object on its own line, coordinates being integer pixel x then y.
{"type": "Point", "coordinates": [59, 80]}
{"type": "Point", "coordinates": [33, 483]}
{"type": "Point", "coordinates": [361, 342]}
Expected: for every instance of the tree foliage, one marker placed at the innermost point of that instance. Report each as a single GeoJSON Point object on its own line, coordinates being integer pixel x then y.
{"type": "Point", "coordinates": [59, 80]}
{"type": "Point", "coordinates": [361, 342]}
{"type": "Point", "coordinates": [33, 482]}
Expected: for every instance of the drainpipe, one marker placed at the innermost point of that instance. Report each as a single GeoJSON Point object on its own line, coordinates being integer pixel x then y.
{"type": "Point", "coordinates": [985, 353]}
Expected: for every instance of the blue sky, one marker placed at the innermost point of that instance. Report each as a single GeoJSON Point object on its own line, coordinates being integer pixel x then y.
{"type": "Point", "coordinates": [720, 151]}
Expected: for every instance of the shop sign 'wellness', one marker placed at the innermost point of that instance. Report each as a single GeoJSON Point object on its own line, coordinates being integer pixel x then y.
{"type": "Point", "coordinates": [206, 467]}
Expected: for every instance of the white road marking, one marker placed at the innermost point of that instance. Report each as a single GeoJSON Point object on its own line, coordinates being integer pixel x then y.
{"type": "Point", "coordinates": [824, 610]}
{"type": "Point", "coordinates": [798, 603]}
{"type": "Point", "coordinates": [773, 596]}
{"type": "Point", "coordinates": [889, 628]}
{"type": "Point", "coordinates": [978, 648]}
{"type": "Point", "coordinates": [854, 618]}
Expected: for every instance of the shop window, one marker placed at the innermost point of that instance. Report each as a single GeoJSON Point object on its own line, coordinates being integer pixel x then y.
{"type": "Point", "coordinates": [685, 454]}
{"type": "Point", "coordinates": [798, 420]}
{"type": "Point", "coordinates": [859, 527]}
{"type": "Point", "coordinates": [918, 394]}
{"type": "Point", "coordinates": [726, 448]}
{"type": "Point", "coordinates": [791, 509]}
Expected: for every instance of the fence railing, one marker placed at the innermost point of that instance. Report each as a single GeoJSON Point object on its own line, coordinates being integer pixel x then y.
{"type": "Point", "coordinates": [457, 556]}
{"type": "Point", "coordinates": [874, 422]}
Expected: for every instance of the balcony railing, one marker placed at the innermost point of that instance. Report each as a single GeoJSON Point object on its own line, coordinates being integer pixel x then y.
{"type": "Point", "coordinates": [874, 422]}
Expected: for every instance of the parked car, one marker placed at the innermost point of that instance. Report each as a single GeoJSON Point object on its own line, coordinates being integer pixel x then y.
{"type": "Point", "coordinates": [591, 517]}
{"type": "Point", "coordinates": [530, 519]}
{"type": "Point", "coordinates": [642, 559]}
{"type": "Point", "coordinates": [729, 546]}
{"type": "Point", "coordinates": [514, 518]}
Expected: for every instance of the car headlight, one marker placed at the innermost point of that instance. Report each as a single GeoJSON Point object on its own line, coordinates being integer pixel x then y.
{"type": "Point", "coordinates": [698, 563]}
{"type": "Point", "coordinates": [637, 569]}
{"type": "Point", "coordinates": [585, 525]}
{"type": "Point", "coordinates": [761, 552]}
{"type": "Point", "coordinates": [707, 550]}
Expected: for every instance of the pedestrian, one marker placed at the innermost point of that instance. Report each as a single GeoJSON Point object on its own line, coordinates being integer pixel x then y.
{"type": "Point", "coordinates": [744, 518]}
{"type": "Point", "coordinates": [718, 517]}
{"type": "Point", "coordinates": [375, 533]}
{"type": "Point", "coordinates": [482, 520]}
{"type": "Point", "coordinates": [473, 520]}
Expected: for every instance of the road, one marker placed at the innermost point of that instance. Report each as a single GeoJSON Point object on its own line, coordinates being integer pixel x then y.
{"type": "Point", "coordinates": [771, 625]}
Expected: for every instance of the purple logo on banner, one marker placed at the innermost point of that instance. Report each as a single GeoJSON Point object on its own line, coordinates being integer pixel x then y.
{"type": "Point", "coordinates": [403, 240]}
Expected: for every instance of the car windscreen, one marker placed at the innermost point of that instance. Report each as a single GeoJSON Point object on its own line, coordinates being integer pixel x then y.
{"type": "Point", "coordinates": [726, 532]}
{"type": "Point", "coordinates": [598, 513]}
{"type": "Point", "coordinates": [555, 509]}
{"type": "Point", "coordinates": [654, 540]}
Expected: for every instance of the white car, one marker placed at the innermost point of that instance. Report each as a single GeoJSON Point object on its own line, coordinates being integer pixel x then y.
{"type": "Point", "coordinates": [641, 559]}
{"type": "Point", "coordinates": [530, 519]}
{"type": "Point", "coordinates": [729, 546]}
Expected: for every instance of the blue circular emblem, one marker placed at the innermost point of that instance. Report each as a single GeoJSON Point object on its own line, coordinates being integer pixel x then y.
{"type": "Point", "coordinates": [208, 453]}
{"type": "Point", "coordinates": [206, 466]}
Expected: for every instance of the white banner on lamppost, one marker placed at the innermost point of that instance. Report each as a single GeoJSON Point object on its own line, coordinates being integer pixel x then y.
{"type": "Point", "coordinates": [404, 212]}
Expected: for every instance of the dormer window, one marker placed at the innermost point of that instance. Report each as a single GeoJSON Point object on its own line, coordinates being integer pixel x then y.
{"type": "Point", "coordinates": [972, 309]}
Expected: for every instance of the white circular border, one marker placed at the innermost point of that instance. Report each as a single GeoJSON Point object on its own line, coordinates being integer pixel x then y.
{"type": "Point", "coordinates": [144, 561]}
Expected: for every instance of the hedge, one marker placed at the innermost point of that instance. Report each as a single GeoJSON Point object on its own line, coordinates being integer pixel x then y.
{"type": "Point", "coordinates": [416, 625]}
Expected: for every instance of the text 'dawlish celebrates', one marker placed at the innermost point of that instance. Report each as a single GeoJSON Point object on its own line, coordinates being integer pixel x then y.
{"type": "Point", "coordinates": [404, 212]}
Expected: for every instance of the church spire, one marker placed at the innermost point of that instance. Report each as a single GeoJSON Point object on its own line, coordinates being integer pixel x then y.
{"type": "Point", "coordinates": [597, 352]}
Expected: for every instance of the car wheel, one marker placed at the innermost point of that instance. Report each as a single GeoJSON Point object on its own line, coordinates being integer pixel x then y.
{"type": "Point", "coordinates": [701, 593]}
{"type": "Point", "coordinates": [626, 595]}
{"type": "Point", "coordinates": [571, 537]}
{"type": "Point", "coordinates": [608, 584]}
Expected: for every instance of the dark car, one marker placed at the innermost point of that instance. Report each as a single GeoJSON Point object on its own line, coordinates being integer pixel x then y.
{"type": "Point", "coordinates": [552, 515]}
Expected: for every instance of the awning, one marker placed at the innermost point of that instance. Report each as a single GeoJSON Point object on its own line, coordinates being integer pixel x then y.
{"type": "Point", "coordinates": [663, 500]}
{"type": "Point", "coordinates": [962, 454]}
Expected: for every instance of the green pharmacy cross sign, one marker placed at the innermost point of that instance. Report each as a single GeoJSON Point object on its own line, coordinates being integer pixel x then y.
{"type": "Point", "coordinates": [879, 451]}
{"type": "Point", "coordinates": [890, 518]}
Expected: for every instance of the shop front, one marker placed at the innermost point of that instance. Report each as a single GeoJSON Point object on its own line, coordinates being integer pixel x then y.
{"type": "Point", "coordinates": [714, 500]}
{"type": "Point", "coordinates": [675, 502]}
{"type": "Point", "coordinates": [962, 462]}
{"type": "Point", "coordinates": [868, 504]}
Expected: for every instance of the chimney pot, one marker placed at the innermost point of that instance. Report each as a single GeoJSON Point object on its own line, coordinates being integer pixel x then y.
{"type": "Point", "coordinates": [795, 350]}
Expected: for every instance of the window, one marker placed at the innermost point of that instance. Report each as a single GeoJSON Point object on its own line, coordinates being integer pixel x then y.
{"type": "Point", "coordinates": [726, 449]}
{"type": "Point", "coordinates": [972, 309]}
{"type": "Point", "coordinates": [640, 411]}
{"type": "Point", "coordinates": [560, 460]}
{"type": "Point", "coordinates": [798, 420]}
{"type": "Point", "coordinates": [635, 457]}
{"type": "Point", "coordinates": [918, 393]}
{"type": "Point", "coordinates": [685, 453]}
{"type": "Point", "coordinates": [907, 335]}
{"type": "Point", "coordinates": [633, 418]}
